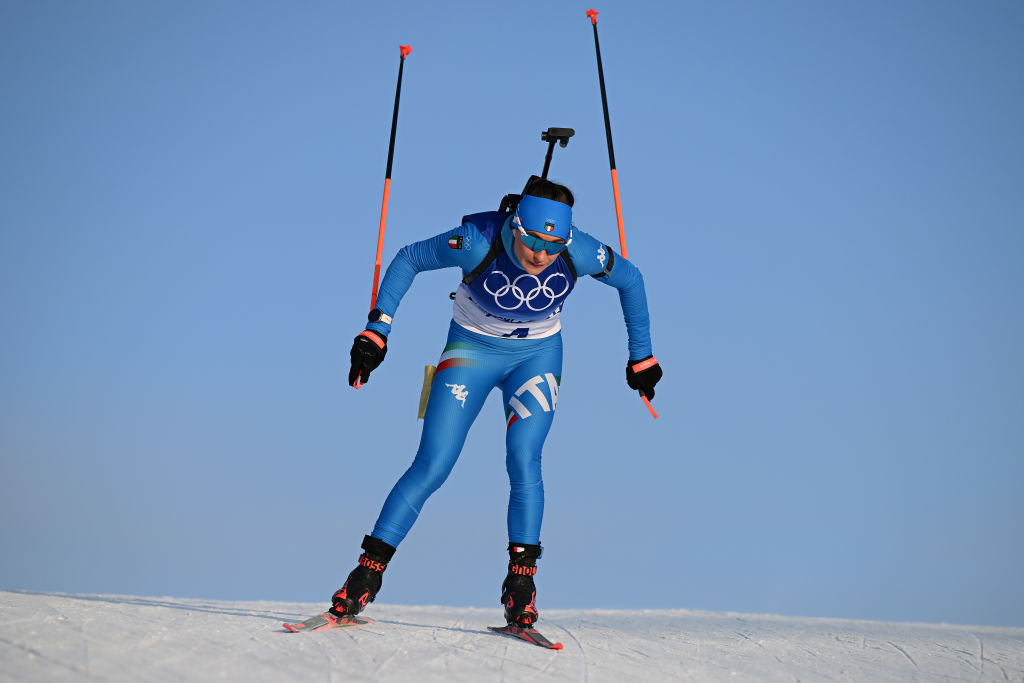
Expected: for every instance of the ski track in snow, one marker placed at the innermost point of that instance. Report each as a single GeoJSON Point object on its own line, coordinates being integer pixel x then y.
{"type": "Point", "coordinates": [56, 637]}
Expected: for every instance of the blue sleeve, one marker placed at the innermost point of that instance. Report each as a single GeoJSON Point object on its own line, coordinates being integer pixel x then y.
{"type": "Point", "coordinates": [591, 257]}
{"type": "Point", "coordinates": [463, 246]}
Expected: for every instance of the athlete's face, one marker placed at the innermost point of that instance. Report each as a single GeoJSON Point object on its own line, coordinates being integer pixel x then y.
{"type": "Point", "coordinates": [534, 262]}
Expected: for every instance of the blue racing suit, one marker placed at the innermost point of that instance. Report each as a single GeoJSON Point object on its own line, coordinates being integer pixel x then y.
{"type": "Point", "coordinates": [504, 333]}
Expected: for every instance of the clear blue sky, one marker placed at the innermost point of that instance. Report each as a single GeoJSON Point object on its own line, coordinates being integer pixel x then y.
{"type": "Point", "coordinates": [825, 199]}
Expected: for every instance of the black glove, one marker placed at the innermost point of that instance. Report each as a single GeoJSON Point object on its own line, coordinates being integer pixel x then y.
{"type": "Point", "coordinates": [642, 375]}
{"type": "Point", "coordinates": [368, 351]}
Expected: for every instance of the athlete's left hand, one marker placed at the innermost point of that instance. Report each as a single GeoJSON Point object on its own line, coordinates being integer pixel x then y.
{"type": "Point", "coordinates": [368, 351]}
{"type": "Point", "coordinates": [642, 375]}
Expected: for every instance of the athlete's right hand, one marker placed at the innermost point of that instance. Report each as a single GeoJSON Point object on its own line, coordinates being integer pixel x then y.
{"type": "Point", "coordinates": [368, 351]}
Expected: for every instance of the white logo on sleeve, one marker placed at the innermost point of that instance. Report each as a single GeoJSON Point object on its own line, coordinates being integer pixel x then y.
{"type": "Point", "coordinates": [460, 392]}
{"type": "Point", "coordinates": [601, 256]}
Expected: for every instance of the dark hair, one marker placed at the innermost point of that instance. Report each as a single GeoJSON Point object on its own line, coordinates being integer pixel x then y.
{"type": "Point", "coordinates": [546, 189]}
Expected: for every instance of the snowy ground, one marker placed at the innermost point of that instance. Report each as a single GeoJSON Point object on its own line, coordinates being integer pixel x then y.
{"type": "Point", "coordinates": [50, 637]}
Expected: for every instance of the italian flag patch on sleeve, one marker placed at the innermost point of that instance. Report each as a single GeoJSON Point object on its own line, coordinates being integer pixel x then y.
{"type": "Point", "coordinates": [455, 242]}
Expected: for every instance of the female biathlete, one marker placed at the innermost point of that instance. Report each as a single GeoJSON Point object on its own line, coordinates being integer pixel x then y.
{"type": "Point", "coordinates": [519, 265]}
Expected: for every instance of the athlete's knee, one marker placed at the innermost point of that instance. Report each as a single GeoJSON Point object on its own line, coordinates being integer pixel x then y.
{"type": "Point", "coordinates": [521, 492]}
{"type": "Point", "coordinates": [429, 472]}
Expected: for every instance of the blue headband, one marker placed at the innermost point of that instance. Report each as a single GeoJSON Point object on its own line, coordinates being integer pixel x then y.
{"type": "Point", "coordinates": [544, 216]}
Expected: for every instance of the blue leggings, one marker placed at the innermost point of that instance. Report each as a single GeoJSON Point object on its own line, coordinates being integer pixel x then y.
{"type": "Point", "coordinates": [528, 372]}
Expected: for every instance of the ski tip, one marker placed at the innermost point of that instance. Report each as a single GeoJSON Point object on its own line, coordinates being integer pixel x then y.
{"type": "Point", "coordinates": [293, 628]}
{"type": "Point", "coordinates": [530, 635]}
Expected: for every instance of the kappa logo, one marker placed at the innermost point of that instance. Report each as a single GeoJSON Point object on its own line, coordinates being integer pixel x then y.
{"type": "Point", "coordinates": [460, 392]}
{"type": "Point", "coordinates": [601, 255]}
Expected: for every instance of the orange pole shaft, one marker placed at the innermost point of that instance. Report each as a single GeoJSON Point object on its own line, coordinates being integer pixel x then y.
{"type": "Point", "coordinates": [380, 242]}
{"type": "Point", "coordinates": [618, 213]}
{"type": "Point", "coordinates": [649, 406]}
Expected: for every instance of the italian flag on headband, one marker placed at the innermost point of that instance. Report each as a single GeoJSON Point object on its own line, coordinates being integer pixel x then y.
{"type": "Point", "coordinates": [549, 225]}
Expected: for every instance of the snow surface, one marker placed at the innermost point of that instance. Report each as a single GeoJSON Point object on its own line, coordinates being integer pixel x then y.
{"type": "Point", "coordinates": [54, 637]}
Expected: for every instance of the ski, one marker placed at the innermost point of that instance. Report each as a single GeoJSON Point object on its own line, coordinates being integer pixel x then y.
{"type": "Point", "coordinates": [325, 621]}
{"type": "Point", "coordinates": [530, 635]}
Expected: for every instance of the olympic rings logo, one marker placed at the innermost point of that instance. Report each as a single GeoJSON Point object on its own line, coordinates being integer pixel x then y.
{"type": "Point", "coordinates": [542, 289]}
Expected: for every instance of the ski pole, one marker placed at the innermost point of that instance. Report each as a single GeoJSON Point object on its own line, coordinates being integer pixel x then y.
{"type": "Point", "coordinates": [592, 14]}
{"type": "Point", "coordinates": [404, 50]}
